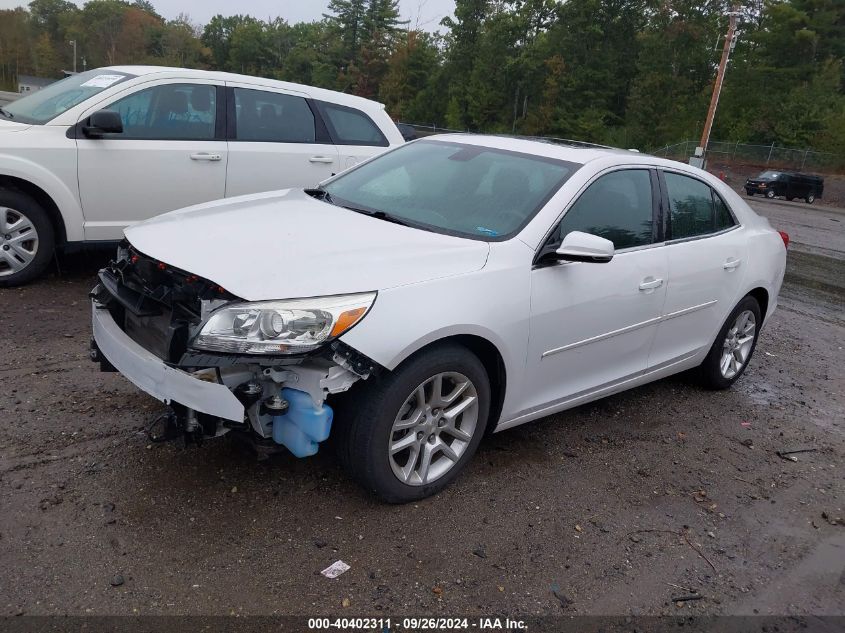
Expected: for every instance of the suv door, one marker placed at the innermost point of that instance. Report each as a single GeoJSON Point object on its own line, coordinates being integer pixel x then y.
{"type": "Point", "coordinates": [276, 141]}
{"type": "Point", "coordinates": [171, 154]}
{"type": "Point", "coordinates": [706, 250]}
{"type": "Point", "coordinates": [592, 325]}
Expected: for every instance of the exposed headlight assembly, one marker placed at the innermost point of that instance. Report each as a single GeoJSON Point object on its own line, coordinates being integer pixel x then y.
{"type": "Point", "coordinates": [291, 326]}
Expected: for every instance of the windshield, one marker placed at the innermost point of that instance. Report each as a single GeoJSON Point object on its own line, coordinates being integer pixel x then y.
{"type": "Point", "coordinates": [768, 175]}
{"type": "Point", "coordinates": [48, 103]}
{"type": "Point", "coordinates": [453, 188]}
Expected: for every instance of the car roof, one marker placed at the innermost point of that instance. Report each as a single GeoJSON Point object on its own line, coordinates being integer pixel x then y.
{"type": "Point", "coordinates": [317, 93]}
{"type": "Point", "coordinates": [560, 149]}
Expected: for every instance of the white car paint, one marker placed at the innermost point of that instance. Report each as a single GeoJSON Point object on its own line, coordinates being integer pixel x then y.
{"type": "Point", "coordinates": [307, 261]}
{"type": "Point", "coordinates": [101, 186]}
{"type": "Point", "coordinates": [566, 334]}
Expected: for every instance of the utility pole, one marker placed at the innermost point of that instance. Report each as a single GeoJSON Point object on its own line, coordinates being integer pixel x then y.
{"type": "Point", "coordinates": [701, 151]}
{"type": "Point", "coordinates": [73, 43]}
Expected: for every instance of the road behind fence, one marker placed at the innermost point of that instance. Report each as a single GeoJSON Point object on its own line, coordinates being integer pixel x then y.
{"type": "Point", "coordinates": [6, 97]}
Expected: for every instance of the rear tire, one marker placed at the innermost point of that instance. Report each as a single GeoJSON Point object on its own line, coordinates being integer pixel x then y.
{"type": "Point", "coordinates": [402, 409]}
{"type": "Point", "coordinates": [810, 198]}
{"type": "Point", "coordinates": [27, 238]}
{"type": "Point", "coordinates": [734, 346]}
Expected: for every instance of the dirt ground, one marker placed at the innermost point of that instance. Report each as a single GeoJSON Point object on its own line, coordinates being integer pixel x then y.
{"type": "Point", "coordinates": [617, 507]}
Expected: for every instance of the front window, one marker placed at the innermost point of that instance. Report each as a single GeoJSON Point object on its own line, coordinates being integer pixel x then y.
{"type": "Point", "coordinates": [170, 112]}
{"type": "Point", "coordinates": [46, 104]}
{"type": "Point", "coordinates": [768, 175]}
{"type": "Point", "coordinates": [617, 207]}
{"type": "Point", "coordinates": [468, 190]}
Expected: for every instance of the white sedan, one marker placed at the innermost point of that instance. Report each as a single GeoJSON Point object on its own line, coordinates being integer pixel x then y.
{"type": "Point", "coordinates": [453, 286]}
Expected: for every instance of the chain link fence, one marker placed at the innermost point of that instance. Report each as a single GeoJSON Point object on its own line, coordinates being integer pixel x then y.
{"type": "Point", "coordinates": [760, 155]}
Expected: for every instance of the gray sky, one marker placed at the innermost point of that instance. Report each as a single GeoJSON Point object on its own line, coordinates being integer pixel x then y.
{"type": "Point", "coordinates": [424, 13]}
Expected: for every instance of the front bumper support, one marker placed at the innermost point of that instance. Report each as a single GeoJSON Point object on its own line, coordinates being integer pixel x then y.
{"type": "Point", "coordinates": [152, 375]}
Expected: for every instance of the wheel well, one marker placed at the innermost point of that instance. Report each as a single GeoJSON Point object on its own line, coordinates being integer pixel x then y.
{"type": "Point", "coordinates": [762, 297]}
{"type": "Point", "coordinates": [42, 198]}
{"type": "Point", "coordinates": [490, 357]}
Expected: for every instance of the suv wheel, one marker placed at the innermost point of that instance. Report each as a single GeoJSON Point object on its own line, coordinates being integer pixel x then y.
{"type": "Point", "coordinates": [410, 433]}
{"type": "Point", "coordinates": [27, 238]}
{"type": "Point", "coordinates": [733, 347]}
{"type": "Point", "coordinates": [770, 193]}
{"type": "Point", "coordinates": [811, 198]}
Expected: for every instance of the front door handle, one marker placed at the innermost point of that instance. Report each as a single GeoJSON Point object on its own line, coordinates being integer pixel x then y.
{"type": "Point", "coordinates": [649, 283]}
{"type": "Point", "coordinates": [321, 159]}
{"type": "Point", "coordinates": [732, 264]}
{"type": "Point", "coordinates": [207, 157]}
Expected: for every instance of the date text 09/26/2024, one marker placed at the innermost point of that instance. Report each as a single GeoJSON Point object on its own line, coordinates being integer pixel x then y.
{"type": "Point", "coordinates": [387, 625]}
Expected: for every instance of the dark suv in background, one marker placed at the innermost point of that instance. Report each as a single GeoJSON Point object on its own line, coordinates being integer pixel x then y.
{"type": "Point", "coordinates": [786, 185]}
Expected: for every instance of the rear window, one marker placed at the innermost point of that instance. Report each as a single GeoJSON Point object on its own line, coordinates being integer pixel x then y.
{"type": "Point", "coordinates": [349, 126]}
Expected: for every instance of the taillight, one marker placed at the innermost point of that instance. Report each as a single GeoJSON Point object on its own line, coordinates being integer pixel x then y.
{"type": "Point", "coordinates": [785, 237]}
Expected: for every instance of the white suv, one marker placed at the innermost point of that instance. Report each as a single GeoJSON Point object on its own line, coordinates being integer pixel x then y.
{"type": "Point", "coordinates": [90, 155]}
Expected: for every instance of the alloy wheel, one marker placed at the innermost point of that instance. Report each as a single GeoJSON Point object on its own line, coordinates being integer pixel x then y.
{"type": "Point", "coordinates": [18, 241]}
{"type": "Point", "coordinates": [737, 345]}
{"type": "Point", "coordinates": [433, 429]}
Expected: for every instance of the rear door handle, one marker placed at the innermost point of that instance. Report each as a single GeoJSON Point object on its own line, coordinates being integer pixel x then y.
{"type": "Point", "coordinates": [321, 159]}
{"type": "Point", "coordinates": [207, 157]}
{"type": "Point", "coordinates": [650, 284]}
{"type": "Point", "coordinates": [732, 264]}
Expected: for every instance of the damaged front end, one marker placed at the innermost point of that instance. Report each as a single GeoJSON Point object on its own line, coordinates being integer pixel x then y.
{"type": "Point", "coordinates": [260, 369]}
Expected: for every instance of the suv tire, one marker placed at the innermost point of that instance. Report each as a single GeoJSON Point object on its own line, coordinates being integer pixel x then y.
{"type": "Point", "coordinates": [21, 259]}
{"type": "Point", "coordinates": [401, 408]}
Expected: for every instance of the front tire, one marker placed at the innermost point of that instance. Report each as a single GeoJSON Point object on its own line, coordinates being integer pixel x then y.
{"type": "Point", "coordinates": [811, 198]}
{"type": "Point", "coordinates": [732, 350]}
{"type": "Point", "coordinates": [409, 434]}
{"type": "Point", "coordinates": [770, 194]}
{"type": "Point", "coordinates": [27, 238]}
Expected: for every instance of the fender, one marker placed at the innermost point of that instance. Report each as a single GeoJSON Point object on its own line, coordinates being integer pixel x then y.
{"type": "Point", "coordinates": [65, 199]}
{"type": "Point", "coordinates": [465, 329]}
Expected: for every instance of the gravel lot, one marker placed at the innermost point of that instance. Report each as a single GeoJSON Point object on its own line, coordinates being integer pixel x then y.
{"type": "Point", "coordinates": [614, 508]}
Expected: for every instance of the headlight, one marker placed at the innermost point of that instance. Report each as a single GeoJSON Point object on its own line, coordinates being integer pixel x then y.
{"type": "Point", "coordinates": [281, 327]}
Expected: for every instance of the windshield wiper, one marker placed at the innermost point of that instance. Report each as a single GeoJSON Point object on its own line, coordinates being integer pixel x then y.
{"type": "Point", "coordinates": [6, 113]}
{"type": "Point", "coordinates": [321, 194]}
{"type": "Point", "coordinates": [379, 215]}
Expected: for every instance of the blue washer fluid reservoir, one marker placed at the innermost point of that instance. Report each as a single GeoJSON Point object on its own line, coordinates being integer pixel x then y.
{"type": "Point", "coordinates": [304, 425]}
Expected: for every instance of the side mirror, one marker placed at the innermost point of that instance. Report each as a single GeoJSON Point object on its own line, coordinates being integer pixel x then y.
{"type": "Point", "coordinates": [583, 247]}
{"type": "Point", "coordinates": [103, 122]}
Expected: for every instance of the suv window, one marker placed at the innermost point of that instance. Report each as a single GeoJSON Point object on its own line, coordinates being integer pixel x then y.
{"type": "Point", "coordinates": [173, 112]}
{"type": "Point", "coordinates": [617, 207]}
{"type": "Point", "coordinates": [695, 209]}
{"type": "Point", "coordinates": [349, 126]}
{"type": "Point", "coordinates": [273, 117]}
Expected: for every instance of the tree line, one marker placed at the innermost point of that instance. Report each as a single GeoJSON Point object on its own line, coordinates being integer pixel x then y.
{"type": "Point", "coordinates": [632, 73]}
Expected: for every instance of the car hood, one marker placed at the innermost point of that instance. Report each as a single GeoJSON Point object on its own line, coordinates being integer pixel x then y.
{"type": "Point", "coordinates": [7, 125]}
{"type": "Point", "coordinates": [286, 244]}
